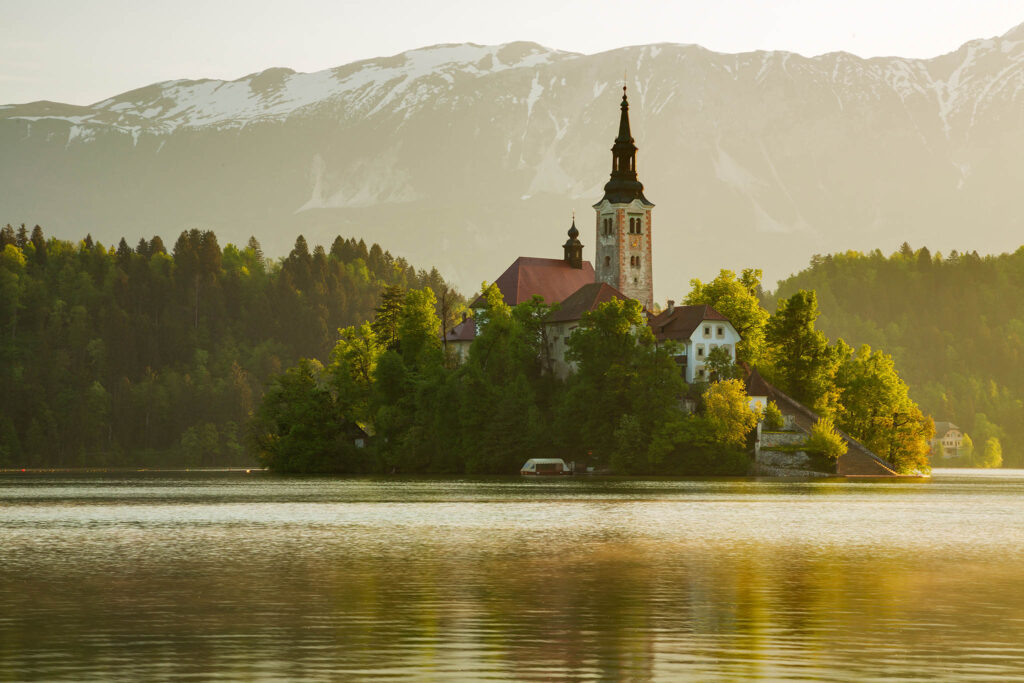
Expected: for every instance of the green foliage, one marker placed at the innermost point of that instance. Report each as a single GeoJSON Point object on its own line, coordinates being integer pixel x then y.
{"type": "Point", "coordinates": [773, 420]}
{"type": "Point", "coordinates": [298, 427]}
{"type": "Point", "coordinates": [685, 445]}
{"type": "Point", "coordinates": [876, 407]}
{"type": "Point", "coordinates": [386, 316]}
{"type": "Point", "coordinates": [506, 402]}
{"type": "Point", "coordinates": [738, 299]}
{"type": "Point", "coordinates": [133, 356]}
{"type": "Point", "coordinates": [720, 366]}
{"type": "Point", "coordinates": [801, 361]}
{"type": "Point", "coordinates": [620, 372]}
{"type": "Point", "coordinates": [992, 456]}
{"type": "Point", "coordinates": [825, 440]}
{"type": "Point", "coordinates": [419, 328]}
{"type": "Point", "coordinates": [954, 327]}
{"type": "Point", "coordinates": [728, 413]}
{"type": "Point", "coordinates": [620, 410]}
{"type": "Point", "coordinates": [967, 449]}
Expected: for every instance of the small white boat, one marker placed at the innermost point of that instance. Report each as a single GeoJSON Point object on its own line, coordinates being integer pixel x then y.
{"type": "Point", "coordinates": [545, 466]}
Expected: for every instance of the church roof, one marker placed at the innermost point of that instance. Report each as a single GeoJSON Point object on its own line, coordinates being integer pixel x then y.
{"type": "Point", "coordinates": [528, 276]}
{"type": "Point", "coordinates": [584, 299]}
{"type": "Point", "coordinates": [680, 322]}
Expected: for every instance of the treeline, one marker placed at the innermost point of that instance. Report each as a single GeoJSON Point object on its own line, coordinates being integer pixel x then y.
{"type": "Point", "coordinates": [393, 400]}
{"type": "Point", "coordinates": [157, 354]}
{"type": "Point", "coordinates": [954, 325]}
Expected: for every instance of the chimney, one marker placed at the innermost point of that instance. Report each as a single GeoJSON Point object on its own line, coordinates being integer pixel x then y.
{"type": "Point", "coordinates": [671, 306]}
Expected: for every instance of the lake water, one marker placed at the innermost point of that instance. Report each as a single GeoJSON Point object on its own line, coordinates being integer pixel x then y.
{"type": "Point", "coordinates": [198, 575]}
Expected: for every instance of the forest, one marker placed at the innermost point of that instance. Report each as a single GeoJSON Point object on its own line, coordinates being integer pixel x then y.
{"type": "Point", "coordinates": [954, 325]}
{"type": "Point", "coordinates": [393, 399]}
{"type": "Point", "coordinates": [157, 355]}
{"type": "Point", "coordinates": [194, 355]}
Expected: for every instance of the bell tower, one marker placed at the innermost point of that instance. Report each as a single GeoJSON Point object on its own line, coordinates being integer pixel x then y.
{"type": "Point", "coordinates": [623, 245]}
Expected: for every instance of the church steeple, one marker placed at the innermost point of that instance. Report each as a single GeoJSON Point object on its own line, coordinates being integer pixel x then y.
{"type": "Point", "coordinates": [623, 187]}
{"type": "Point", "coordinates": [623, 242]}
{"type": "Point", "coordinates": [573, 247]}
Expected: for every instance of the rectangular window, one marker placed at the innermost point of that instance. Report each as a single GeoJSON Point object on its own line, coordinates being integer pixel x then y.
{"type": "Point", "coordinates": [707, 331]}
{"type": "Point", "coordinates": [720, 331]}
{"type": "Point", "coordinates": [700, 350]}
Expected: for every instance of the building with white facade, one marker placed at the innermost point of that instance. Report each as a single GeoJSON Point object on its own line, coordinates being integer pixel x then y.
{"type": "Point", "coordinates": [696, 331]}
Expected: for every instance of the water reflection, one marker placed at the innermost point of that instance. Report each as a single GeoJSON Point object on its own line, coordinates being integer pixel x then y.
{"type": "Point", "coordinates": [199, 575]}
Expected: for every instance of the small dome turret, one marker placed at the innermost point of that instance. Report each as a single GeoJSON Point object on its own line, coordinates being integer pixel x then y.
{"type": "Point", "coordinates": [573, 247]}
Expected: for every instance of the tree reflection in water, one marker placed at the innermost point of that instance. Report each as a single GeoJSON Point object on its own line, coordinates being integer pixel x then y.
{"type": "Point", "coordinates": [320, 578]}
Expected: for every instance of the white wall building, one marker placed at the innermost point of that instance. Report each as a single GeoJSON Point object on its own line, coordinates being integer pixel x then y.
{"type": "Point", "coordinates": [697, 330]}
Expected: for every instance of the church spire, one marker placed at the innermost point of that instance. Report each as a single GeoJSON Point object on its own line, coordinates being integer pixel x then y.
{"type": "Point", "coordinates": [624, 187]}
{"type": "Point", "coordinates": [624, 134]}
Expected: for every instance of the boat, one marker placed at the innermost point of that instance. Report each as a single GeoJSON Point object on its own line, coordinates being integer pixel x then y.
{"type": "Point", "coordinates": [545, 466]}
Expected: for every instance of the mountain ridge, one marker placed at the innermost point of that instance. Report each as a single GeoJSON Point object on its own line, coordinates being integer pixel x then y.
{"type": "Point", "coordinates": [461, 152]}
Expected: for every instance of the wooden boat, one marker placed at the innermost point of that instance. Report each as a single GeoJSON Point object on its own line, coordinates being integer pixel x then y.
{"type": "Point", "coordinates": [545, 467]}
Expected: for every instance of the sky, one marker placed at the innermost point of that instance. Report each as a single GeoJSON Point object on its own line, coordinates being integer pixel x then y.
{"type": "Point", "coordinates": [81, 52]}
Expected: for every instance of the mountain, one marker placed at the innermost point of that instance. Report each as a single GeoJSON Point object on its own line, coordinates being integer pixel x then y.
{"type": "Point", "coordinates": [467, 156]}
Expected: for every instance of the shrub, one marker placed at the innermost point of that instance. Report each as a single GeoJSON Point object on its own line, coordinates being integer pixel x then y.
{"type": "Point", "coordinates": [773, 421]}
{"type": "Point", "coordinates": [825, 440]}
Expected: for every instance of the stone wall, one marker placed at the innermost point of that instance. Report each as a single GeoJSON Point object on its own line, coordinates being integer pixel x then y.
{"type": "Point", "coordinates": [769, 439]}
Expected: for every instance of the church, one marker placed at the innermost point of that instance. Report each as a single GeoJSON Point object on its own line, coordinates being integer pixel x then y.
{"type": "Point", "coordinates": [623, 268]}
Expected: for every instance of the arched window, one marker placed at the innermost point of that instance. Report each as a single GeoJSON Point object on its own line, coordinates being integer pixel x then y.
{"type": "Point", "coordinates": [607, 261]}
{"type": "Point", "coordinates": [639, 222]}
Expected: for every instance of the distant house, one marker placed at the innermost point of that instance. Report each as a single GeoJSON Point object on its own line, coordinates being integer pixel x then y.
{"type": "Point", "coordinates": [461, 337]}
{"type": "Point", "coordinates": [561, 323]}
{"type": "Point", "coordinates": [948, 441]}
{"type": "Point", "coordinates": [697, 330]}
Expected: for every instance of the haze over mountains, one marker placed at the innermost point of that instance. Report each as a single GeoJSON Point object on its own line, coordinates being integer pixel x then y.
{"type": "Point", "coordinates": [466, 156]}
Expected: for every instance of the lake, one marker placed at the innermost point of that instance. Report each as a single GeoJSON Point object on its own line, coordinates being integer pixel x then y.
{"type": "Point", "coordinates": [205, 575]}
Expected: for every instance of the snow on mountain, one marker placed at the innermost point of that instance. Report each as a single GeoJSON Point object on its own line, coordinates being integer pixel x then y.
{"type": "Point", "coordinates": [467, 155]}
{"type": "Point", "coordinates": [408, 80]}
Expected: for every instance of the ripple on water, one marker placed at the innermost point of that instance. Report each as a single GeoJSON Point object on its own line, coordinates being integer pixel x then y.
{"type": "Point", "coordinates": [203, 576]}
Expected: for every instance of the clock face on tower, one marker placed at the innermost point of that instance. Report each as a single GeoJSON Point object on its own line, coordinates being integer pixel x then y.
{"type": "Point", "coordinates": [634, 242]}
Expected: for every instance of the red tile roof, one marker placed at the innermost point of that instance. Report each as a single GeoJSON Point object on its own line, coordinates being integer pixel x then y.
{"type": "Point", "coordinates": [553, 279]}
{"type": "Point", "coordinates": [584, 299]}
{"type": "Point", "coordinates": [681, 321]}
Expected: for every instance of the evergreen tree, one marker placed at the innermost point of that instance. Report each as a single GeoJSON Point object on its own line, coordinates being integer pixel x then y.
{"type": "Point", "coordinates": [387, 315]}
{"type": "Point", "coordinates": [802, 364]}
{"type": "Point", "coordinates": [7, 236]}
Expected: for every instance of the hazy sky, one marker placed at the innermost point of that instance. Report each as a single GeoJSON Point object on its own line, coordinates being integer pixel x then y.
{"type": "Point", "coordinates": [82, 51]}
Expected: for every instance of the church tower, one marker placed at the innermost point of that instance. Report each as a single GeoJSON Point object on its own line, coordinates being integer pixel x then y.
{"type": "Point", "coordinates": [623, 258]}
